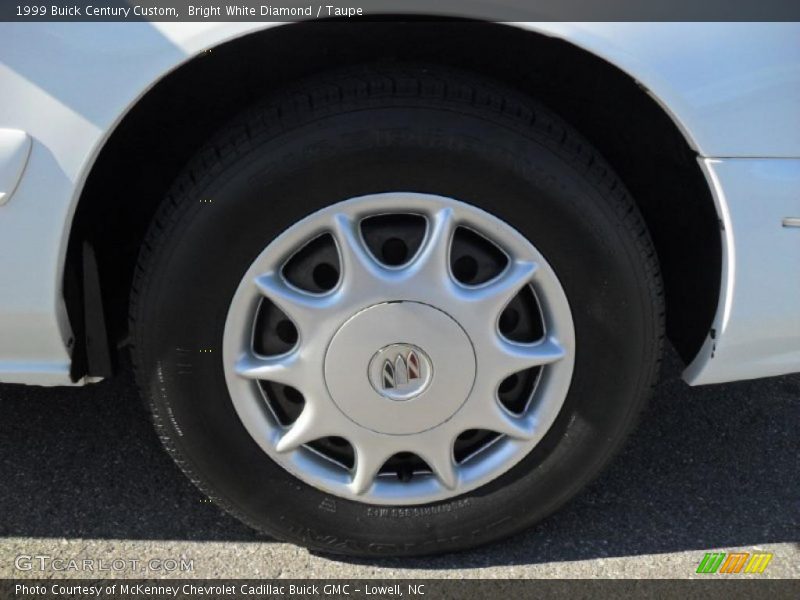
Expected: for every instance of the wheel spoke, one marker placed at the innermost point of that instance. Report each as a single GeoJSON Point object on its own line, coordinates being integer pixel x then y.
{"type": "Point", "coordinates": [441, 462]}
{"type": "Point", "coordinates": [356, 262]}
{"type": "Point", "coordinates": [301, 307]}
{"type": "Point", "coordinates": [433, 258]}
{"type": "Point", "coordinates": [369, 460]}
{"type": "Point", "coordinates": [286, 369]}
{"type": "Point", "coordinates": [498, 420]}
{"type": "Point", "coordinates": [495, 295]}
{"type": "Point", "coordinates": [514, 356]}
{"type": "Point", "coordinates": [307, 428]}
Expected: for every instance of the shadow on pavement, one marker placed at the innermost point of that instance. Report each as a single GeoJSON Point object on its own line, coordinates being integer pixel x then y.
{"type": "Point", "coordinates": [709, 467]}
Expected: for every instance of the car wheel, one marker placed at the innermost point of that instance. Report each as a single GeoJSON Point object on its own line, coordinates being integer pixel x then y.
{"type": "Point", "coordinates": [396, 310]}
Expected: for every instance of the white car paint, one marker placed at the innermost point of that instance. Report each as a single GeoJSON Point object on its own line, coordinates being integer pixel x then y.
{"type": "Point", "coordinates": [758, 319]}
{"type": "Point", "coordinates": [15, 147]}
{"type": "Point", "coordinates": [732, 88]}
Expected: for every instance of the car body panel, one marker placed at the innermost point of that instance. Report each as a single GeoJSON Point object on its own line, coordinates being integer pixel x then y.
{"type": "Point", "coordinates": [15, 148]}
{"type": "Point", "coordinates": [757, 326]}
{"type": "Point", "coordinates": [730, 98]}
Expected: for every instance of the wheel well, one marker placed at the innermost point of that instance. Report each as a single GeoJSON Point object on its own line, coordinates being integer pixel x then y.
{"type": "Point", "coordinates": [171, 122]}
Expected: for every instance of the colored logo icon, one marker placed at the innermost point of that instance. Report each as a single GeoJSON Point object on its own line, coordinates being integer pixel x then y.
{"type": "Point", "coordinates": [400, 371]}
{"type": "Point", "coordinates": [734, 562]}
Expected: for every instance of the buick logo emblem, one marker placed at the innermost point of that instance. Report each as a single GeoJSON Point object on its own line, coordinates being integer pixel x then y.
{"type": "Point", "coordinates": [404, 370]}
{"type": "Point", "coordinates": [400, 371]}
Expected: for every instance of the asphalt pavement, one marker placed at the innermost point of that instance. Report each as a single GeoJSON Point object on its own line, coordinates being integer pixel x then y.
{"type": "Point", "coordinates": [713, 468]}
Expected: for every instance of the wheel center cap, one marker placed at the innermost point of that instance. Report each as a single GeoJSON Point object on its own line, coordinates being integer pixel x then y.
{"type": "Point", "coordinates": [400, 367]}
{"type": "Point", "coordinates": [400, 371]}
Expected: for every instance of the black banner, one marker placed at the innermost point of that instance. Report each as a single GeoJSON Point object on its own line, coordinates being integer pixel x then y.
{"type": "Point", "coordinates": [421, 589]}
{"type": "Point", "coordinates": [488, 10]}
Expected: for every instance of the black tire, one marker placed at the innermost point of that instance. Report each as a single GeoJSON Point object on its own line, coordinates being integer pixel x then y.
{"type": "Point", "coordinates": [369, 130]}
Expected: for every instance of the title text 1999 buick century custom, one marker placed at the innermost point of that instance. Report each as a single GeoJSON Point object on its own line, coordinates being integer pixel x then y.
{"type": "Point", "coordinates": [397, 287]}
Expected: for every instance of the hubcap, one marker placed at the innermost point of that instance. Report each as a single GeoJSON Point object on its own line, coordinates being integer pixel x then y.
{"type": "Point", "coordinates": [391, 363]}
{"type": "Point", "coordinates": [387, 401]}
